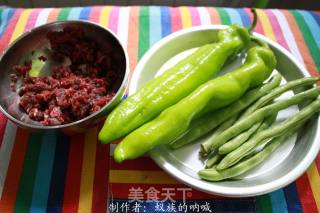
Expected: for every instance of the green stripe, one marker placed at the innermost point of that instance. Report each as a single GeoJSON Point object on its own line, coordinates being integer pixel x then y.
{"type": "Point", "coordinates": [143, 31]}
{"type": "Point", "coordinates": [1, 11]}
{"type": "Point", "coordinates": [64, 13]}
{"type": "Point", "coordinates": [308, 38]}
{"type": "Point", "coordinates": [224, 17]}
{"type": "Point", "coordinates": [264, 204]}
{"type": "Point", "coordinates": [26, 184]}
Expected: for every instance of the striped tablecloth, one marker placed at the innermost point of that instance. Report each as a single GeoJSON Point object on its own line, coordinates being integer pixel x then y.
{"type": "Point", "coordinates": [53, 172]}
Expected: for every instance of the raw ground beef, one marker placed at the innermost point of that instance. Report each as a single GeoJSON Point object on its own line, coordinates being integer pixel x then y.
{"type": "Point", "coordinates": [70, 93]}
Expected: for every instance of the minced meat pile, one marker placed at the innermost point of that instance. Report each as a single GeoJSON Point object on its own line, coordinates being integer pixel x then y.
{"type": "Point", "coordinates": [71, 92]}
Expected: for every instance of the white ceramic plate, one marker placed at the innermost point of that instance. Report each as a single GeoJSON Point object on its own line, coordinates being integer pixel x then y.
{"type": "Point", "coordinates": [281, 168]}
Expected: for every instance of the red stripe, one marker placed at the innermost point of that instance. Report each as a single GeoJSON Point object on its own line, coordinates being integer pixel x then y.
{"type": "Point", "coordinates": [305, 194]}
{"type": "Point", "coordinates": [258, 27]}
{"type": "Point", "coordinates": [143, 163]}
{"type": "Point", "coordinates": [14, 171]}
{"type": "Point", "coordinates": [194, 16]}
{"type": "Point", "coordinates": [101, 179]}
{"type": "Point", "coordinates": [277, 29]}
{"type": "Point", "coordinates": [121, 191]}
{"type": "Point", "coordinates": [73, 177]}
{"type": "Point", "coordinates": [3, 123]}
{"type": "Point", "coordinates": [133, 39]}
{"type": "Point", "coordinates": [176, 23]}
{"type": "Point", "coordinates": [95, 14]}
{"type": "Point", "coordinates": [9, 30]}
{"type": "Point", "coordinates": [32, 19]}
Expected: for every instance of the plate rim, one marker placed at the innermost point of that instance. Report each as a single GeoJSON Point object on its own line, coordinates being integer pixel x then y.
{"type": "Point", "coordinates": [205, 186]}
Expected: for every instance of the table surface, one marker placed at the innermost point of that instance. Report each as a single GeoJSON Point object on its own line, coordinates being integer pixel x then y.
{"type": "Point", "coordinates": [53, 172]}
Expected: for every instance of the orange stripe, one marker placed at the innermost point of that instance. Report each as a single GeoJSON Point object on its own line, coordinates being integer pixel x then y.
{"type": "Point", "coordinates": [303, 48]}
{"type": "Point", "coordinates": [314, 179]}
{"type": "Point", "coordinates": [133, 37]}
{"type": "Point", "coordinates": [215, 18]}
{"type": "Point", "coordinates": [53, 15]}
{"type": "Point", "coordinates": [14, 171]}
{"type": "Point", "coordinates": [87, 174]}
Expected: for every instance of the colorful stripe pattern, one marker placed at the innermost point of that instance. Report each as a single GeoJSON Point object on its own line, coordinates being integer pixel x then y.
{"type": "Point", "coordinates": [52, 172]}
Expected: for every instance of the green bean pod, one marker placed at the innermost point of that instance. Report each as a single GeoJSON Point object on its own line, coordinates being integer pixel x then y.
{"type": "Point", "coordinates": [279, 91]}
{"type": "Point", "coordinates": [206, 123]}
{"type": "Point", "coordinates": [225, 125]}
{"type": "Point", "coordinates": [213, 160]}
{"type": "Point", "coordinates": [246, 165]}
{"type": "Point", "coordinates": [240, 139]}
{"type": "Point", "coordinates": [175, 120]}
{"type": "Point", "coordinates": [274, 131]}
{"type": "Point", "coordinates": [255, 117]}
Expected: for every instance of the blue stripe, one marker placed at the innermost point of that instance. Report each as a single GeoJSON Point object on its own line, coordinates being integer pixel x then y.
{"type": "Point", "coordinates": [313, 26]}
{"type": "Point", "coordinates": [74, 13]}
{"type": "Point", "coordinates": [165, 21]}
{"type": "Point", "coordinates": [155, 24]}
{"type": "Point", "coordinates": [234, 16]}
{"type": "Point", "coordinates": [292, 198]}
{"type": "Point", "coordinates": [5, 18]}
{"type": "Point", "coordinates": [55, 200]}
{"type": "Point", "coordinates": [279, 204]}
{"type": "Point", "coordinates": [316, 17]}
{"type": "Point", "coordinates": [85, 13]}
{"type": "Point", "coordinates": [43, 176]}
{"type": "Point", "coordinates": [244, 17]}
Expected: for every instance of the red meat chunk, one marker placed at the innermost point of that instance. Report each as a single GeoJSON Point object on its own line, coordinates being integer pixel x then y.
{"type": "Point", "coordinates": [70, 93]}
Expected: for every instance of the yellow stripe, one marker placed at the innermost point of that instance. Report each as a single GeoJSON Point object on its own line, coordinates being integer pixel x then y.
{"type": "Point", "coordinates": [137, 176]}
{"type": "Point", "coordinates": [21, 24]}
{"type": "Point", "coordinates": [104, 16]}
{"type": "Point", "coordinates": [185, 17]}
{"type": "Point", "coordinates": [314, 179]}
{"type": "Point", "coordinates": [266, 25]}
{"type": "Point", "coordinates": [87, 174]}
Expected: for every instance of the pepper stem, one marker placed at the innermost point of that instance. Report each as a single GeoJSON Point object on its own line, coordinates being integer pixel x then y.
{"type": "Point", "coordinates": [254, 22]}
{"type": "Point", "coordinates": [259, 42]}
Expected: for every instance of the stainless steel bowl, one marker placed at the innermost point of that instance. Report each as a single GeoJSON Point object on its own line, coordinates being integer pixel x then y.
{"type": "Point", "coordinates": [36, 39]}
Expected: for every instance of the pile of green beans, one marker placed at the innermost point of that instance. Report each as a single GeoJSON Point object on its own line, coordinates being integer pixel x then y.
{"type": "Point", "coordinates": [231, 149]}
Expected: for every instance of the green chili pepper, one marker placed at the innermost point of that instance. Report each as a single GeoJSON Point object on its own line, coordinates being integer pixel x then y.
{"type": "Point", "coordinates": [203, 125]}
{"type": "Point", "coordinates": [175, 120]}
{"type": "Point", "coordinates": [174, 84]}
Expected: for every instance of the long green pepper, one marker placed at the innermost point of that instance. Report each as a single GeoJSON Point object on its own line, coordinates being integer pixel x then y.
{"type": "Point", "coordinates": [203, 125]}
{"type": "Point", "coordinates": [175, 120]}
{"type": "Point", "coordinates": [175, 84]}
